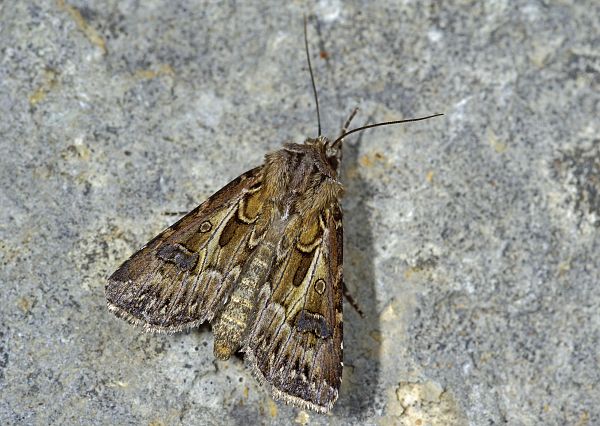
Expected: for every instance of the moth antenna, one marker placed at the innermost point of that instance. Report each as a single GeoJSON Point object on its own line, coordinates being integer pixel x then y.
{"type": "Point", "coordinates": [385, 123]}
{"type": "Point", "coordinates": [312, 77]}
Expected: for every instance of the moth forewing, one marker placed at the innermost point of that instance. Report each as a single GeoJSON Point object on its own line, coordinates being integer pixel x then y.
{"type": "Point", "coordinates": [175, 282]}
{"type": "Point", "coordinates": [295, 344]}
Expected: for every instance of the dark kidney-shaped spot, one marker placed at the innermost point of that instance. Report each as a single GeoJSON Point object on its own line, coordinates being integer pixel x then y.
{"type": "Point", "coordinates": [176, 253]}
{"type": "Point", "coordinates": [312, 323]}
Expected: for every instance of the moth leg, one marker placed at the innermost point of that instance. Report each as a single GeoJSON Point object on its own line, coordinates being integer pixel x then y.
{"type": "Point", "coordinates": [175, 213]}
{"type": "Point", "coordinates": [347, 123]}
{"type": "Point", "coordinates": [345, 127]}
{"type": "Point", "coordinates": [351, 300]}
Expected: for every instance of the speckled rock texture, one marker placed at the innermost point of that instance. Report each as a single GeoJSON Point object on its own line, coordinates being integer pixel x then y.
{"type": "Point", "coordinates": [472, 240]}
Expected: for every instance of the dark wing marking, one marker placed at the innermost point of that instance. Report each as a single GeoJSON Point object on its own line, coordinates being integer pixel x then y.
{"type": "Point", "coordinates": [184, 276]}
{"type": "Point", "coordinates": [295, 345]}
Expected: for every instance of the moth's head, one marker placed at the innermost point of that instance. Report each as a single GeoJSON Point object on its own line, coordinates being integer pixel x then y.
{"type": "Point", "coordinates": [331, 152]}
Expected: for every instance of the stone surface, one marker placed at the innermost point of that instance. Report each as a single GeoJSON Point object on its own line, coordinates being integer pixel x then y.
{"type": "Point", "coordinates": [472, 240]}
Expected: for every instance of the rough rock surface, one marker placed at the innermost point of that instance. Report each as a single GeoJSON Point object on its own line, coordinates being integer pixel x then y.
{"type": "Point", "coordinates": [472, 240]}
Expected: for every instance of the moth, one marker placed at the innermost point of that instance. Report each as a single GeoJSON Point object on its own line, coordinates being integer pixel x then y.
{"type": "Point", "coordinates": [261, 260]}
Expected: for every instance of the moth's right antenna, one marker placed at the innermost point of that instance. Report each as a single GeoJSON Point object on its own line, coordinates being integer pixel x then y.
{"type": "Point", "coordinates": [312, 77]}
{"type": "Point", "coordinates": [385, 123]}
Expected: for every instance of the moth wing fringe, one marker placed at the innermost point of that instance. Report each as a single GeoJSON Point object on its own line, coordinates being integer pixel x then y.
{"type": "Point", "coordinates": [278, 394]}
{"type": "Point", "coordinates": [149, 328]}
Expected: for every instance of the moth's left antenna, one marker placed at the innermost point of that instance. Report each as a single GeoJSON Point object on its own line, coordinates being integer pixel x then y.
{"type": "Point", "coordinates": [312, 77]}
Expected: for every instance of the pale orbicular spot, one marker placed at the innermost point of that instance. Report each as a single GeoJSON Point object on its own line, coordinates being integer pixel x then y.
{"type": "Point", "coordinates": [205, 226]}
{"type": "Point", "coordinates": [320, 286]}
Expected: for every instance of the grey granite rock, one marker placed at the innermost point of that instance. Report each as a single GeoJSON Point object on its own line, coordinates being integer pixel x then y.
{"type": "Point", "coordinates": [472, 240]}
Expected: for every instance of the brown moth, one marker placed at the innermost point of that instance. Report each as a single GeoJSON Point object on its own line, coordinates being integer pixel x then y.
{"type": "Point", "coordinates": [261, 260]}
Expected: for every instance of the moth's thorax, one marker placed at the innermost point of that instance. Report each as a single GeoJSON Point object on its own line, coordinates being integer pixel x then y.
{"type": "Point", "coordinates": [302, 178]}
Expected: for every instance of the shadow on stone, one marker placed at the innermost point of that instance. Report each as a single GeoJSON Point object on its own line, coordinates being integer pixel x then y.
{"type": "Point", "coordinates": [359, 390]}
